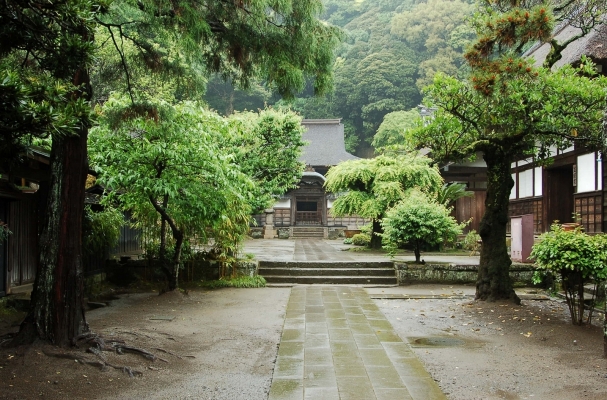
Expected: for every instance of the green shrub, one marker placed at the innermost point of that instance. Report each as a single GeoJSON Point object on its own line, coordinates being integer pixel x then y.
{"type": "Point", "coordinates": [572, 257]}
{"type": "Point", "coordinates": [4, 231]}
{"type": "Point", "coordinates": [348, 241]}
{"type": "Point", "coordinates": [238, 282]}
{"type": "Point", "coordinates": [101, 229]}
{"type": "Point", "coordinates": [471, 242]}
{"type": "Point", "coordinates": [361, 239]}
{"type": "Point", "coordinates": [419, 221]}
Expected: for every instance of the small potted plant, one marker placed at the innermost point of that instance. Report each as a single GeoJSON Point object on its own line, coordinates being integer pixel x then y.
{"type": "Point", "coordinates": [4, 231]}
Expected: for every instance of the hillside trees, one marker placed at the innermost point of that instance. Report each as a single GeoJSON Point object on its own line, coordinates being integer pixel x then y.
{"type": "Point", "coordinates": [506, 110]}
{"type": "Point", "coordinates": [436, 28]}
{"type": "Point", "coordinates": [283, 42]}
{"type": "Point", "coordinates": [369, 187]}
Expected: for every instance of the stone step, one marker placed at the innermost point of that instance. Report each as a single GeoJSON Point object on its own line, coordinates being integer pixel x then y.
{"type": "Point", "coordinates": [327, 264]}
{"type": "Point", "coordinates": [326, 272]}
{"type": "Point", "coordinates": [307, 232]}
{"type": "Point", "coordinates": [343, 280]}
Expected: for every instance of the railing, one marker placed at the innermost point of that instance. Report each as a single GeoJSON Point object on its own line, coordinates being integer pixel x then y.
{"type": "Point", "coordinates": [307, 218]}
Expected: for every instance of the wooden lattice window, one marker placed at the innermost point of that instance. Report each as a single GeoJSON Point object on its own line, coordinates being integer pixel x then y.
{"type": "Point", "coordinates": [589, 207]}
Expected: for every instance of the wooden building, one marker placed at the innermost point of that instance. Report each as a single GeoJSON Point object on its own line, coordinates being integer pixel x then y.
{"type": "Point", "coordinates": [22, 208]}
{"type": "Point", "coordinates": [309, 204]}
{"type": "Point", "coordinates": [21, 205]}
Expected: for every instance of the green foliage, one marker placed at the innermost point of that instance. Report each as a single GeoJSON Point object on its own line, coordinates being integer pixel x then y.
{"type": "Point", "coordinates": [256, 281]}
{"type": "Point", "coordinates": [368, 187]}
{"type": "Point", "coordinates": [419, 221]}
{"type": "Point", "coordinates": [361, 239]}
{"type": "Point", "coordinates": [438, 28]}
{"type": "Point", "coordinates": [266, 146]}
{"type": "Point", "coordinates": [573, 257]}
{"type": "Point", "coordinates": [282, 43]}
{"type": "Point", "coordinates": [348, 241]}
{"type": "Point", "coordinates": [165, 164]}
{"type": "Point", "coordinates": [573, 250]}
{"type": "Point", "coordinates": [471, 242]}
{"type": "Point", "coordinates": [449, 193]}
{"type": "Point", "coordinates": [5, 232]}
{"type": "Point", "coordinates": [101, 229]}
{"type": "Point", "coordinates": [395, 129]}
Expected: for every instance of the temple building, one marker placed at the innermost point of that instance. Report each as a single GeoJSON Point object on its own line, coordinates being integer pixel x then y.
{"type": "Point", "coordinates": [305, 210]}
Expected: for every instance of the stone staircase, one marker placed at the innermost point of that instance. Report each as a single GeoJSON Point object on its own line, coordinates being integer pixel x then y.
{"type": "Point", "coordinates": [325, 272]}
{"type": "Point", "coordinates": [307, 232]}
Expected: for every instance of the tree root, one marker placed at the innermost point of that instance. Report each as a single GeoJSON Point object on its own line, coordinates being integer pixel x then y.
{"type": "Point", "coordinates": [102, 363]}
{"type": "Point", "coordinates": [97, 345]}
{"type": "Point", "coordinates": [173, 354]}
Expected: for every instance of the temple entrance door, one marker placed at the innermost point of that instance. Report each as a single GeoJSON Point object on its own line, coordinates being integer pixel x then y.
{"type": "Point", "coordinates": [559, 196]}
{"type": "Point", "coordinates": [309, 210]}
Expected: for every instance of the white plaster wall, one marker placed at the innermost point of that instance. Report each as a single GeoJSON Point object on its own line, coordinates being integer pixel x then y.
{"type": "Point", "coordinates": [586, 178]}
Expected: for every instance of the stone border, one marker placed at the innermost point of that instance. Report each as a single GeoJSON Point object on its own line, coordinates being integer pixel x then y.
{"type": "Point", "coordinates": [408, 273]}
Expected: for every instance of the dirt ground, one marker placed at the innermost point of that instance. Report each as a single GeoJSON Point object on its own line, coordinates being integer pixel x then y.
{"type": "Point", "coordinates": [222, 344]}
{"type": "Point", "coordinates": [478, 350]}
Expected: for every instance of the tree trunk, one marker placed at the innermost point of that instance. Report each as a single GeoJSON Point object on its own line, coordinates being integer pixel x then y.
{"type": "Point", "coordinates": [57, 311]}
{"type": "Point", "coordinates": [375, 237]}
{"type": "Point", "coordinates": [174, 281]}
{"type": "Point", "coordinates": [418, 253]}
{"type": "Point", "coordinates": [494, 281]}
{"type": "Point", "coordinates": [171, 270]}
{"type": "Point", "coordinates": [162, 250]}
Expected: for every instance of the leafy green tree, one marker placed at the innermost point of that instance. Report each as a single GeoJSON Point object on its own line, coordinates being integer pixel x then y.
{"type": "Point", "coordinates": [164, 163]}
{"type": "Point", "coordinates": [529, 110]}
{"type": "Point", "coordinates": [396, 128]}
{"type": "Point", "coordinates": [267, 146]}
{"type": "Point", "coordinates": [420, 221]}
{"type": "Point", "coordinates": [369, 187]}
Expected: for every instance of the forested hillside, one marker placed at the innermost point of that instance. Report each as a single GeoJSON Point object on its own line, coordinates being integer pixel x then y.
{"type": "Point", "coordinates": [391, 50]}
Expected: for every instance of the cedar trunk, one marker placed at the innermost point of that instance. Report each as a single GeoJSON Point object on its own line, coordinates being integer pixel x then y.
{"type": "Point", "coordinates": [57, 311]}
{"type": "Point", "coordinates": [494, 281]}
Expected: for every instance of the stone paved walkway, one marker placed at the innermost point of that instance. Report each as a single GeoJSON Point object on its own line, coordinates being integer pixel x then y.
{"type": "Point", "coordinates": [336, 344]}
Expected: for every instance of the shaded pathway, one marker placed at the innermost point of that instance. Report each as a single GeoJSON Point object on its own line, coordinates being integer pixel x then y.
{"type": "Point", "coordinates": [336, 344]}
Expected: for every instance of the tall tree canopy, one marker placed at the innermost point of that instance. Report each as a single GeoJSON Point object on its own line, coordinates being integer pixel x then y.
{"type": "Point", "coordinates": [283, 42]}
{"type": "Point", "coordinates": [508, 110]}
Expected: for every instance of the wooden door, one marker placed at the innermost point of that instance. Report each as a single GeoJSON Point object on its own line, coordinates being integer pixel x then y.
{"type": "Point", "coordinates": [308, 211]}
{"type": "Point", "coordinates": [559, 195]}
